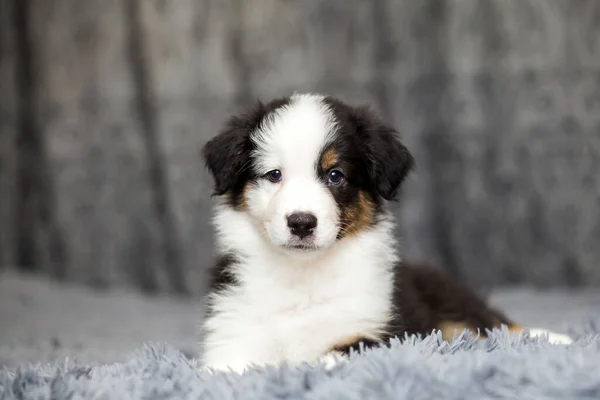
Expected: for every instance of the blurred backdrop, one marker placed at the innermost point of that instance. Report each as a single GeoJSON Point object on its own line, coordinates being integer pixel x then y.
{"type": "Point", "coordinates": [105, 104]}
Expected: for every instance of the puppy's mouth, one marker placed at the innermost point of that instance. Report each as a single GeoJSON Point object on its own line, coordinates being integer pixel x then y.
{"type": "Point", "coordinates": [302, 247]}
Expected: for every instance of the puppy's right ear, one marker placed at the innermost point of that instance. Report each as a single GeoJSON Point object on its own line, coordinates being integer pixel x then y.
{"type": "Point", "coordinates": [228, 154]}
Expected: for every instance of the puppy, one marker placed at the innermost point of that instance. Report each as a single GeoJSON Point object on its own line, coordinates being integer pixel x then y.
{"type": "Point", "coordinates": [308, 264]}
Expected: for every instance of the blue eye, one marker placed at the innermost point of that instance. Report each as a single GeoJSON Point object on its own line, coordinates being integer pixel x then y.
{"type": "Point", "coordinates": [335, 177]}
{"type": "Point", "coordinates": [274, 176]}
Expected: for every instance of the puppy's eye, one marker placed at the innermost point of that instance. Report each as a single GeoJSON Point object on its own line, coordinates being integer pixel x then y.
{"type": "Point", "coordinates": [335, 177]}
{"type": "Point", "coordinates": [274, 176]}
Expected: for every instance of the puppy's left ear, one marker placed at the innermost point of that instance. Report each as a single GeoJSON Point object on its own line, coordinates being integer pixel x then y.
{"type": "Point", "coordinates": [388, 160]}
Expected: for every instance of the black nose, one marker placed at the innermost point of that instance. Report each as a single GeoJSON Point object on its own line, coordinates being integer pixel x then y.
{"type": "Point", "coordinates": [302, 224]}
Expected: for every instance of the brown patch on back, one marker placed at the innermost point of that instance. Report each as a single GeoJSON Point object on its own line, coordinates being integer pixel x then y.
{"type": "Point", "coordinates": [358, 216]}
{"type": "Point", "coordinates": [329, 159]}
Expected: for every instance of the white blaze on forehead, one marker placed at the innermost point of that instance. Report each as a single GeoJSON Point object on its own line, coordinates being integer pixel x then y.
{"type": "Point", "coordinates": [293, 137]}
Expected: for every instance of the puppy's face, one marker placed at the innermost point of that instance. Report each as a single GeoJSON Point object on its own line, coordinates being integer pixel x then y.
{"type": "Point", "coordinates": [309, 170]}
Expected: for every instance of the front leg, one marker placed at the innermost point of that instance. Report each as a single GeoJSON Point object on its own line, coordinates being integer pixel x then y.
{"type": "Point", "coordinates": [232, 353]}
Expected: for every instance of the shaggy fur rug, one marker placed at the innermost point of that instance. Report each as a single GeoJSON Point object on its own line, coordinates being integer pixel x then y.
{"type": "Point", "coordinates": [67, 342]}
{"type": "Point", "coordinates": [503, 366]}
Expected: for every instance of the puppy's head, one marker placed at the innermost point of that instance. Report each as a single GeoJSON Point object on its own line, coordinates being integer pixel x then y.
{"type": "Point", "coordinates": [308, 170]}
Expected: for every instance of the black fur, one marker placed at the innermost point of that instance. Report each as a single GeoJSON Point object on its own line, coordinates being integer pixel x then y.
{"type": "Point", "coordinates": [371, 144]}
{"type": "Point", "coordinates": [227, 155]}
{"type": "Point", "coordinates": [356, 177]}
{"type": "Point", "coordinates": [221, 276]}
{"type": "Point", "coordinates": [425, 298]}
{"type": "Point", "coordinates": [371, 157]}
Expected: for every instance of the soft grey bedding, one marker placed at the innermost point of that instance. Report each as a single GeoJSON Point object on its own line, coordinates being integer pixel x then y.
{"type": "Point", "coordinates": [91, 345]}
{"type": "Point", "coordinates": [414, 369]}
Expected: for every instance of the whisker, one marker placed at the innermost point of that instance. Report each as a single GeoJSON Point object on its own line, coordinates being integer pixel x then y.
{"type": "Point", "coordinates": [245, 166]}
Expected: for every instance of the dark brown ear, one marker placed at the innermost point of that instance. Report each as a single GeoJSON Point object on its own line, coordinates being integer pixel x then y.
{"type": "Point", "coordinates": [388, 161]}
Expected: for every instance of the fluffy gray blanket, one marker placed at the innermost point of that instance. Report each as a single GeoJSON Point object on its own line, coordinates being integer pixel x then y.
{"type": "Point", "coordinates": [501, 367]}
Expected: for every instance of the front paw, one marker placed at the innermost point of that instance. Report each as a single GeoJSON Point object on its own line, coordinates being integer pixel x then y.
{"type": "Point", "coordinates": [553, 337]}
{"type": "Point", "coordinates": [238, 368]}
{"type": "Point", "coordinates": [331, 359]}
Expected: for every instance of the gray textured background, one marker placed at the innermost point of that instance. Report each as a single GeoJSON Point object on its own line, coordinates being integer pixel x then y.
{"type": "Point", "coordinates": [104, 105]}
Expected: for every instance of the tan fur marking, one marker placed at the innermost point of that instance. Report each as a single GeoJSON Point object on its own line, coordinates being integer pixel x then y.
{"type": "Point", "coordinates": [329, 159]}
{"type": "Point", "coordinates": [351, 340]}
{"type": "Point", "coordinates": [345, 343]}
{"type": "Point", "coordinates": [243, 205]}
{"type": "Point", "coordinates": [516, 329]}
{"type": "Point", "coordinates": [358, 217]}
{"type": "Point", "coordinates": [450, 328]}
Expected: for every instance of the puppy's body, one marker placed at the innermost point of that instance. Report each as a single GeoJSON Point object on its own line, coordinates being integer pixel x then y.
{"type": "Point", "coordinates": [308, 261]}
{"type": "Point", "coordinates": [297, 310]}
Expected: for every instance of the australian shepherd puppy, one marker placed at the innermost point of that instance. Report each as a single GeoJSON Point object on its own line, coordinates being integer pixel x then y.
{"type": "Point", "coordinates": [308, 264]}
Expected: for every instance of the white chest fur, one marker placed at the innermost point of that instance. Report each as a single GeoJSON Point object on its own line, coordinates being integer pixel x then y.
{"type": "Point", "coordinates": [285, 309]}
